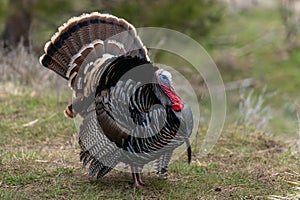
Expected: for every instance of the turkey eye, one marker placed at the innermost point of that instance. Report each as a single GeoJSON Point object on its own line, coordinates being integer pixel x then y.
{"type": "Point", "coordinates": [163, 78]}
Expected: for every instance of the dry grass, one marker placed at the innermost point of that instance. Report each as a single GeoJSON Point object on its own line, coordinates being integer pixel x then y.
{"type": "Point", "coordinates": [253, 109]}
{"type": "Point", "coordinates": [21, 68]}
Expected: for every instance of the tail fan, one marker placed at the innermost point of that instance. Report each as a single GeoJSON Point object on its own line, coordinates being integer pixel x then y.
{"type": "Point", "coordinates": [91, 36]}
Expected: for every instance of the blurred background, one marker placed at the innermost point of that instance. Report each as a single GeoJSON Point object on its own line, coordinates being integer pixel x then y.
{"type": "Point", "coordinates": [255, 45]}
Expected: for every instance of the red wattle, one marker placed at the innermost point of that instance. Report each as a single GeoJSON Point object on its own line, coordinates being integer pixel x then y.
{"type": "Point", "coordinates": [177, 104]}
{"type": "Point", "coordinates": [177, 107]}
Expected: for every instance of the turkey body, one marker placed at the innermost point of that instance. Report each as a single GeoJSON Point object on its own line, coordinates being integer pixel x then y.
{"type": "Point", "coordinates": [130, 109]}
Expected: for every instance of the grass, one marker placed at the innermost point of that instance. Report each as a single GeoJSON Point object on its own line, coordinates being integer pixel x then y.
{"type": "Point", "coordinates": [40, 161]}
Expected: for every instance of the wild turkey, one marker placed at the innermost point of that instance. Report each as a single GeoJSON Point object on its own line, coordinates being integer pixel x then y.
{"type": "Point", "coordinates": [131, 112]}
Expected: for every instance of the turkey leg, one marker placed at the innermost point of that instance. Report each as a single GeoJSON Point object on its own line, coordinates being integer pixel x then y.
{"type": "Point", "coordinates": [137, 180]}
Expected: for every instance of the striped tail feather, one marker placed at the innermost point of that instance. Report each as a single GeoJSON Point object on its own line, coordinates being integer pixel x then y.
{"type": "Point", "coordinates": [90, 36]}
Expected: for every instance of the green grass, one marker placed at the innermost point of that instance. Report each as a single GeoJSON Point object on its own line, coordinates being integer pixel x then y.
{"type": "Point", "coordinates": [41, 161]}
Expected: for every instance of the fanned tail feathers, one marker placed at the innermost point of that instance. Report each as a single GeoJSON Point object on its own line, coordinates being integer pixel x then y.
{"type": "Point", "coordinates": [88, 38]}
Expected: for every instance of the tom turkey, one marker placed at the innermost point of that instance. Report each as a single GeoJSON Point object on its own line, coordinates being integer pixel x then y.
{"type": "Point", "coordinates": [130, 110]}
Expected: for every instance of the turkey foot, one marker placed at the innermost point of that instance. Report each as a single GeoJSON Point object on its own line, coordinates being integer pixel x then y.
{"type": "Point", "coordinates": [137, 180]}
